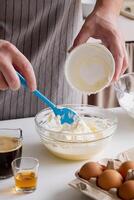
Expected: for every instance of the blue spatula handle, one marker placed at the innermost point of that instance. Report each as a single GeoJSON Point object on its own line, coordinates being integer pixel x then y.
{"type": "Point", "coordinates": [38, 94]}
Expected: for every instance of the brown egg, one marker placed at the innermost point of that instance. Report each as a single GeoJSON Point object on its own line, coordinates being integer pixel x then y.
{"type": "Point", "coordinates": [125, 167]}
{"type": "Point", "coordinates": [90, 169]}
{"type": "Point", "coordinates": [126, 191]}
{"type": "Point", "coordinates": [110, 178]}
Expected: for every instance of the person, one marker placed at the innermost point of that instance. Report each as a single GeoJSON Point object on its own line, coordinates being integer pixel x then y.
{"type": "Point", "coordinates": [35, 37]}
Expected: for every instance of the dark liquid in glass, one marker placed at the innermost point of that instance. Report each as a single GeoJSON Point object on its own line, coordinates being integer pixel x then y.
{"type": "Point", "coordinates": [10, 148]}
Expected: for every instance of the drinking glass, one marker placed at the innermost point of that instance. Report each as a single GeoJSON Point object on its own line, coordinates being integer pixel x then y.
{"type": "Point", "coordinates": [25, 170]}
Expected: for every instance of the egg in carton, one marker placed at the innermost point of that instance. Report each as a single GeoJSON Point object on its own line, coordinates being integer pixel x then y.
{"type": "Point", "coordinates": [92, 185]}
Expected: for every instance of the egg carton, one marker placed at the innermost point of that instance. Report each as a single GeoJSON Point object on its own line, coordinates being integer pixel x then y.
{"type": "Point", "coordinates": [90, 189]}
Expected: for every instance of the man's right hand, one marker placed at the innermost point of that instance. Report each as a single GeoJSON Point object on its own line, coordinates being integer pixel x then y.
{"type": "Point", "coordinates": [12, 60]}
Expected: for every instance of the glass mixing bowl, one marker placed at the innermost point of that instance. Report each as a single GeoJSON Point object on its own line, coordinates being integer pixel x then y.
{"type": "Point", "coordinates": [125, 93]}
{"type": "Point", "coordinates": [82, 145]}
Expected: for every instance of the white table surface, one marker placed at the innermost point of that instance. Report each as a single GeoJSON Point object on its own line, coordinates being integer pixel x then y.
{"type": "Point", "coordinates": [55, 173]}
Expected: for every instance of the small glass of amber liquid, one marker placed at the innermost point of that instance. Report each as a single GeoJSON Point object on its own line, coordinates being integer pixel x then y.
{"type": "Point", "coordinates": [25, 170]}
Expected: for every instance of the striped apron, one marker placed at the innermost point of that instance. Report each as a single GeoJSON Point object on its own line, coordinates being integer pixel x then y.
{"type": "Point", "coordinates": [42, 30]}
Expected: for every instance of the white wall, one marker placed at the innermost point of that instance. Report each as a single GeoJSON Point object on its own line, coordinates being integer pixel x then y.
{"type": "Point", "coordinates": [88, 1]}
{"type": "Point", "coordinates": [87, 6]}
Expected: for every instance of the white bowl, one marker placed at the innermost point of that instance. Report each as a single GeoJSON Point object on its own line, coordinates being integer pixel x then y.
{"type": "Point", "coordinates": [89, 68]}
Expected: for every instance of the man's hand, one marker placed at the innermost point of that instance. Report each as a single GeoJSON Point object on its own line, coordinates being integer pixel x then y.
{"type": "Point", "coordinates": [101, 24]}
{"type": "Point", "coordinates": [12, 59]}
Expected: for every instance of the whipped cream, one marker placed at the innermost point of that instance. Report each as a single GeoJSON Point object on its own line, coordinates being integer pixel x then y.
{"type": "Point", "coordinates": [89, 125]}
{"type": "Point", "coordinates": [79, 126]}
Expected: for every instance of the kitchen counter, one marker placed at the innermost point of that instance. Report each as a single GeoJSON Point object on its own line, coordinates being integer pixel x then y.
{"type": "Point", "coordinates": [55, 173]}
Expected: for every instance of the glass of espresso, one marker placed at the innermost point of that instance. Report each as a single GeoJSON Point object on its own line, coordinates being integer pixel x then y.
{"type": "Point", "coordinates": [10, 149]}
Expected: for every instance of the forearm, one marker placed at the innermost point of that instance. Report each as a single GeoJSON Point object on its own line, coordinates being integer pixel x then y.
{"type": "Point", "coordinates": [111, 6]}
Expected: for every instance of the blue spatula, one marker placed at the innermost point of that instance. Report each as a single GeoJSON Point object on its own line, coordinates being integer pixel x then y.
{"type": "Point", "coordinates": [67, 115]}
